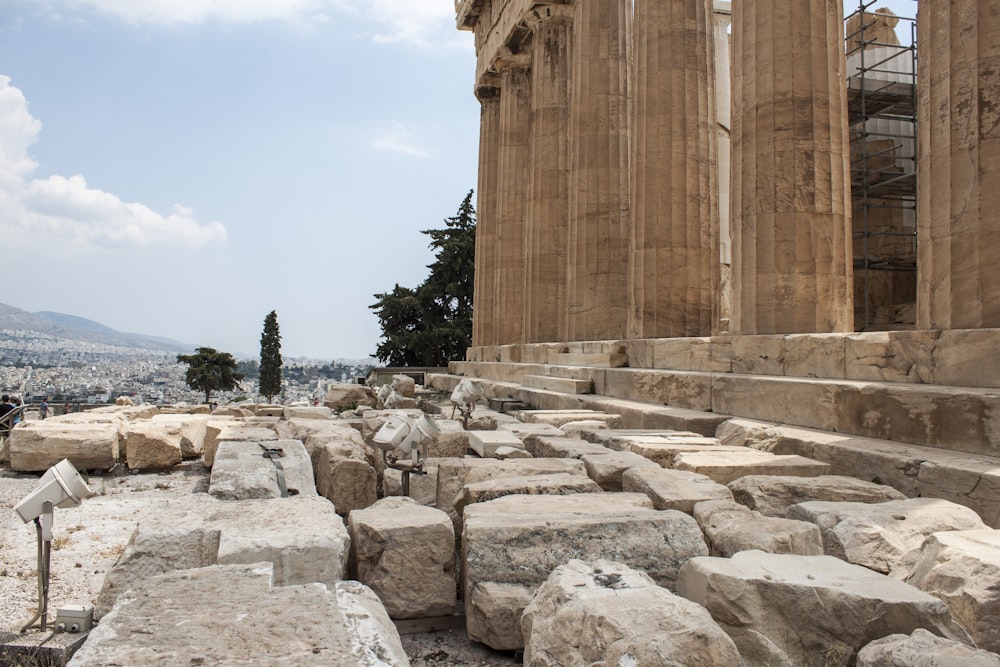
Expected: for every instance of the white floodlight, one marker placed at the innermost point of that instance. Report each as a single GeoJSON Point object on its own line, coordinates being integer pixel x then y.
{"type": "Point", "coordinates": [408, 435]}
{"type": "Point", "coordinates": [464, 399]}
{"type": "Point", "coordinates": [392, 433]}
{"type": "Point", "coordinates": [60, 486]}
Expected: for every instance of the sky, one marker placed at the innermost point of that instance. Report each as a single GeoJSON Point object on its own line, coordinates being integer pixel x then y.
{"type": "Point", "coordinates": [180, 168]}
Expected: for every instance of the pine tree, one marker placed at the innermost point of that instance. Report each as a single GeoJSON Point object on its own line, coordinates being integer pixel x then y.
{"type": "Point", "coordinates": [270, 357]}
{"type": "Point", "coordinates": [210, 370]}
{"type": "Point", "coordinates": [432, 324]}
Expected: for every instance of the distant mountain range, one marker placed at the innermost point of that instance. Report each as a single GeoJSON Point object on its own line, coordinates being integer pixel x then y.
{"type": "Point", "coordinates": [78, 328]}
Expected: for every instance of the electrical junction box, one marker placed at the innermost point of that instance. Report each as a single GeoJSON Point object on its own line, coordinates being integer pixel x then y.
{"type": "Point", "coordinates": [75, 617]}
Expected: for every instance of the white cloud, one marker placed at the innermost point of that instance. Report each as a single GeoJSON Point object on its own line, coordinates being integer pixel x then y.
{"type": "Point", "coordinates": [415, 22]}
{"type": "Point", "coordinates": [62, 209]}
{"type": "Point", "coordinates": [397, 138]}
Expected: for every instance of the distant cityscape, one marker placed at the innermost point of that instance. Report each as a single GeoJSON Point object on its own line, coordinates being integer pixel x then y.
{"type": "Point", "coordinates": [37, 365]}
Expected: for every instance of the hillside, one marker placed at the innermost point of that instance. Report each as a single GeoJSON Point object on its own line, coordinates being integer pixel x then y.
{"type": "Point", "coordinates": [78, 328]}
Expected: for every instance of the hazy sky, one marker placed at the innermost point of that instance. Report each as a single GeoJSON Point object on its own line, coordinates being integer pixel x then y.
{"type": "Point", "coordinates": [183, 167]}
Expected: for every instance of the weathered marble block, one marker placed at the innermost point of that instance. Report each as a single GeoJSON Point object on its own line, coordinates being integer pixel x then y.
{"type": "Point", "coordinates": [772, 495]}
{"type": "Point", "coordinates": [228, 612]}
{"type": "Point", "coordinates": [560, 417]}
{"type": "Point", "coordinates": [242, 472]}
{"type": "Point", "coordinates": [605, 613]}
{"type": "Point", "coordinates": [193, 431]}
{"type": "Point", "coordinates": [607, 469]}
{"type": "Point", "coordinates": [923, 649]}
{"type": "Point", "coordinates": [406, 554]}
{"type": "Point", "coordinates": [344, 475]}
{"type": "Point", "coordinates": [724, 467]}
{"type": "Point", "coordinates": [524, 430]}
{"type": "Point", "coordinates": [152, 446]}
{"type": "Point", "coordinates": [307, 412]}
{"type": "Point", "coordinates": [454, 474]}
{"type": "Point", "coordinates": [519, 540]}
{"type": "Point", "coordinates": [673, 489]}
{"type": "Point", "coordinates": [38, 446]}
{"type": "Point", "coordinates": [486, 443]}
{"type": "Point", "coordinates": [347, 396]}
{"type": "Point", "coordinates": [198, 530]}
{"type": "Point", "coordinates": [423, 488]}
{"type": "Point", "coordinates": [730, 527]}
{"type": "Point", "coordinates": [962, 568]}
{"type": "Point", "coordinates": [883, 537]}
{"type": "Point", "coordinates": [559, 484]}
{"type": "Point", "coordinates": [618, 439]}
{"type": "Point", "coordinates": [784, 609]}
{"type": "Point", "coordinates": [561, 447]}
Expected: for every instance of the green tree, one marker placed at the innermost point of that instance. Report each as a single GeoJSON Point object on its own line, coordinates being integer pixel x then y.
{"type": "Point", "coordinates": [210, 370]}
{"type": "Point", "coordinates": [432, 324]}
{"type": "Point", "coordinates": [270, 357]}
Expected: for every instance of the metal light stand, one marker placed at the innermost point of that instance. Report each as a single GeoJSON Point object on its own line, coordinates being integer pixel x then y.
{"type": "Point", "coordinates": [43, 531]}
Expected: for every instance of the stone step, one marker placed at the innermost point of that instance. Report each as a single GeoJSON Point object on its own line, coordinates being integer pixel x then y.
{"type": "Point", "coordinates": [969, 480]}
{"type": "Point", "coordinates": [592, 360]}
{"type": "Point", "coordinates": [965, 419]}
{"type": "Point", "coordinates": [954, 357]}
{"type": "Point", "coordinates": [562, 385]}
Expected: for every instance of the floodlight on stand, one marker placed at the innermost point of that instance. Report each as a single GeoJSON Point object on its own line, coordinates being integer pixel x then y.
{"type": "Point", "coordinates": [60, 486]}
{"type": "Point", "coordinates": [464, 398]}
{"type": "Point", "coordinates": [409, 435]}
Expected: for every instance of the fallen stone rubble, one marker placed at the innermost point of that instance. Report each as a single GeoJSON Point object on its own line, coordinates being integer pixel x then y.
{"type": "Point", "coordinates": [552, 532]}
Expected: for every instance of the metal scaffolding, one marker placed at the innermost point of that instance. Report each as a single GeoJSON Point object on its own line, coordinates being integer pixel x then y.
{"type": "Point", "coordinates": [882, 103]}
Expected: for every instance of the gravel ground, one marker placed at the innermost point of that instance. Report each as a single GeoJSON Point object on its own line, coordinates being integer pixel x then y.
{"type": "Point", "coordinates": [88, 539]}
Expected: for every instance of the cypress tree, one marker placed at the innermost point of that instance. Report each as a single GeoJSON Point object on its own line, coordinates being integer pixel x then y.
{"type": "Point", "coordinates": [270, 357]}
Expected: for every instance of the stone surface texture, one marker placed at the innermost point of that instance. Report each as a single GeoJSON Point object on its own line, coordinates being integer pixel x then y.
{"type": "Point", "coordinates": [228, 618]}
{"type": "Point", "coordinates": [673, 489]}
{"type": "Point", "coordinates": [605, 613]}
{"type": "Point", "coordinates": [772, 495]}
{"type": "Point", "coordinates": [198, 531]}
{"type": "Point", "coordinates": [923, 649]}
{"type": "Point", "coordinates": [962, 568]}
{"type": "Point", "coordinates": [519, 540]}
{"type": "Point", "coordinates": [884, 537]}
{"type": "Point", "coordinates": [406, 554]}
{"type": "Point", "coordinates": [153, 446]}
{"type": "Point", "coordinates": [243, 472]}
{"type": "Point", "coordinates": [730, 527]}
{"type": "Point", "coordinates": [802, 610]}
{"type": "Point", "coordinates": [39, 446]}
{"type": "Point", "coordinates": [607, 469]}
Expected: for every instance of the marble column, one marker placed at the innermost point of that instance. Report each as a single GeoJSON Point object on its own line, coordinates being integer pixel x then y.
{"type": "Point", "coordinates": [484, 313]}
{"type": "Point", "coordinates": [512, 187]}
{"type": "Point", "coordinates": [722, 19]}
{"type": "Point", "coordinates": [547, 225]}
{"type": "Point", "coordinates": [792, 264]}
{"type": "Point", "coordinates": [674, 276]}
{"type": "Point", "coordinates": [597, 284]}
{"type": "Point", "coordinates": [958, 164]}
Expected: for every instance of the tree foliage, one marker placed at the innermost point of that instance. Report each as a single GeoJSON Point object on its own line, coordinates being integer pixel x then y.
{"type": "Point", "coordinates": [210, 370]}
{"type": "Point", "coordinates": [270, 357]}
{"type": "Point", "coordinates": [431, 324]}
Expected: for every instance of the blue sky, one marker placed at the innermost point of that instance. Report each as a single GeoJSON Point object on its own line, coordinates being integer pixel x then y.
{"type": "Point", "coordinates": [183, 167]}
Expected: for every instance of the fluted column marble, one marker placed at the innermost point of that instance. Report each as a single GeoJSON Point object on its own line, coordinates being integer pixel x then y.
{"type": "Point", "coordinates": [484, 310]}
{"type": "Point", "coordinates": [722, 19]}
{"type": "Point", "coordinates": [515, 109]}
{"type": "Point", "coordinates": [547, 233]}
{"type": "Point", "coordinates": [792, 264]}
{"type": "Point", "coordinates": [674, 276]}
{"type": "Point", "coordinates": [597, 287]}
{"type": "Point", "coordinates": [958, 164]}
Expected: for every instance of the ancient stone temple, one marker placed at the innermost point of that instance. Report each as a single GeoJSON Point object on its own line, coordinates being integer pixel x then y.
{"type": "Point", "coordinates": [648, 170]}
